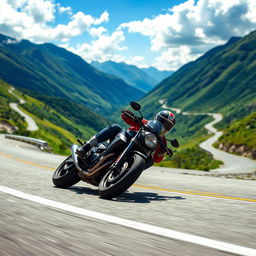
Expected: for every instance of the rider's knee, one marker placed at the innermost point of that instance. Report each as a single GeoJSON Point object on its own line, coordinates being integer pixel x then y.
{"type": "Point", "coordinates": [116, 128]}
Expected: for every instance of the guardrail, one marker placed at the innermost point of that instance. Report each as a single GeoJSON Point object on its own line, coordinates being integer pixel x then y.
{"type": "Point", "coordinates": [40, 143]}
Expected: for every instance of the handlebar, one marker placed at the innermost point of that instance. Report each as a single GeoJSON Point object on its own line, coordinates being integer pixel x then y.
{"type": "Point", "coordinates": [142, 125]}
{"type": "Point", "coordinates": [164, 147]}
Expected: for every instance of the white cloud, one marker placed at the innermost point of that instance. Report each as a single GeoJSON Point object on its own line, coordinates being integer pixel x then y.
{"type": "Point", "coordinates": [32, 19]}
{"type": "Point", "coordinates": [173, 58]}
{"type": "Point", "coordinates": [106, 48]}
{"type": "Point", "coordinates": [11, 41]}
{"type": "Point", "coordinates": [104, 17]}
{"type": "Point", "coordinates": [178, 36]}
{"type": "Point", "coordinates": [97, 32]}
{"type": "Point", "coordinates": [40, 10]}
{"type": "Point", "coordinates": [102, 49]}
{"type": "Point", "coordinates": [63, 9]}
{"type": "Point", "coordinates": [197, 25]}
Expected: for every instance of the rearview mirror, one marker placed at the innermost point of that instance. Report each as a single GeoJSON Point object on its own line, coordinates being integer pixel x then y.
{"type": "Point", "coordinates": [136, 106]}
{"type": "Point", "coordinates": [175, 143]}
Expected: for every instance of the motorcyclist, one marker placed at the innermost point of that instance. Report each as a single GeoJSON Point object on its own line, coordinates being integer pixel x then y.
{"type": "Point", "coordinates": [167, 118]}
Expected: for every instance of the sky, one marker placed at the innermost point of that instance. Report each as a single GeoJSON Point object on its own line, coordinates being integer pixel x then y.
{"type": "Point", "coordinates": [164, 34]}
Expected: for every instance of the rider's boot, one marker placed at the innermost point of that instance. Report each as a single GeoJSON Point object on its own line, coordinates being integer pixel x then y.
{"type": "Point", "coordinates": [81, 151]}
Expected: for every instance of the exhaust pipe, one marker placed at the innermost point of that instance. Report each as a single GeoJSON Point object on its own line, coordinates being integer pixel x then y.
{"type": "Point", "coordinates": [75, 159]}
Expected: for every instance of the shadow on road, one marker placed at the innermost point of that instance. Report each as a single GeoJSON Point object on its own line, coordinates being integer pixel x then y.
{"type": "Point", "coordinates": [127, 197]}
{"type": "Point", "coordinates": [84, 190]}
{"type": "Point", "coordinates": [144, 197]}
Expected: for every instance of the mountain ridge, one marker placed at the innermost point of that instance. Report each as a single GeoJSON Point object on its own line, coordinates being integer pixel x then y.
{"type": "Point", "coordinates": [59, 121]}
{"type": "Point", "coordinates": [213, 81]}
{"type": "Point", "coordinates": [141, 78]}
{"type": "Point", "coordinates": [46, 67]}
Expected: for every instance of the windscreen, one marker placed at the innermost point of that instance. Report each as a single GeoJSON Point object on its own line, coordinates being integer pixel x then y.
{"type": "Point", "coordinates": [155, 126]}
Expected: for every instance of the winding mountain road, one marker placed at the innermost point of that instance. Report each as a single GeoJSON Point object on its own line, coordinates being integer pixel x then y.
{"type": "Point", "coordinates": [231, 163]}
{"type": "Point", "coordinates": [32, 126]}
{"type": "Point", "coordinates": [164, 213]}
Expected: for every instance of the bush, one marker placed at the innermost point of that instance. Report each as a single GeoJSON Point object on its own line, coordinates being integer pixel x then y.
{"type": "Point", "coordinates": [192, 158]}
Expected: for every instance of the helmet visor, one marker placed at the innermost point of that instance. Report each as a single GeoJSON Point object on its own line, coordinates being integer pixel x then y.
{"type": "Point", "coordinates": [168, 124]}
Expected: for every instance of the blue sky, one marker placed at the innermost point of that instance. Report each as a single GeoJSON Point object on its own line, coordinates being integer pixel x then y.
{"type": "Point", "coordinates": [123, 10]}
{"type": "Point", "coordinates": [162, 33]}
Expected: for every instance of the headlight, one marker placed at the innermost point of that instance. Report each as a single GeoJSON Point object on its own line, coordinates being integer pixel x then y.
{"type": "Point", "coordinates": [150, 140]}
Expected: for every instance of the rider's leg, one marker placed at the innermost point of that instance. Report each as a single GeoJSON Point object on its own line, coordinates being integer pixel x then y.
{"type": "Point", "coordinates": [107, 133]}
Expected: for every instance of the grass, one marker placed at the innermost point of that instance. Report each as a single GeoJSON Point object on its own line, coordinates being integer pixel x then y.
{"type": "Point", "coordinates": [7, 114]}
{"type": "Point", "coordinates": [191, 156]}
{"type": "Point", "coordinates": [54, 128]}
{"type": "Point", "coordinates": [241, 133]}
{"type": "Point", "coordinates": [58, 138]}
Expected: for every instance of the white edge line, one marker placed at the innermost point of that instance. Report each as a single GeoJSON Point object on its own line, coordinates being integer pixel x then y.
{"type": "Point", "coordinates": [223, 246]}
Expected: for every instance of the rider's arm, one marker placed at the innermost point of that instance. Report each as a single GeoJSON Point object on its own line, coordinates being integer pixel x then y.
{"type": "Point", "coordinates": [129, 117]}
{"type": "Point", "coordinates": [159, 153]}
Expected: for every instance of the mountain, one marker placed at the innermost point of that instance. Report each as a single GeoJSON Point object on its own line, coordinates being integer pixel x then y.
{"type": "Point", "coordinates": [156, 74]}
{"type": "Point", "coordinates": [223, 80]}
{"type": "Point", "coordinates": [239, 138]}
{"type": "Point", "coordinates": [142, 79]}
{"type": "Point", "coordinates": [51, 70]}
{"type": "Point", "coordinates": [60, 121]}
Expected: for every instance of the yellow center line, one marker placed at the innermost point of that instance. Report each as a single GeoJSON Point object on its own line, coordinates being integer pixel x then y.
{"type": "Point", "coordinates": [26, 162]}
{"type": "Point", "coordinates": [153, 187]}
{"type": "Point", "coordinates": [194, 193]}
{"type": "Point", "coordinates": [203, 192]}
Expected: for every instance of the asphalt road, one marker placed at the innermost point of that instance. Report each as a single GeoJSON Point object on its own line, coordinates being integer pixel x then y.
{"type": "Point", "coordinates": [231, 163]}
{"type": "Point", "coordinates": [32, 126]}
{"type": "Point", "coordinates": [213, 216]}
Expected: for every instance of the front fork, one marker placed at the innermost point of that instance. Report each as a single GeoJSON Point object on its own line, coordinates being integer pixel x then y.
{"type": "Point", "coordinates": [120, 160]}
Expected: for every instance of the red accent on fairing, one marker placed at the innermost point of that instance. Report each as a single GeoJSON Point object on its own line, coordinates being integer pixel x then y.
{"type": "Point", "coordinates": [159, 155]}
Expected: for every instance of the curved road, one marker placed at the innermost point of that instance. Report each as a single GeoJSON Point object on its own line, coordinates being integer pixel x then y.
{"type": "Point", "coordinates": [232, 163]}
{"type": "Point", "coordinates": [164, 213]}
{"type": "Point", "coordinates": [32, 126]}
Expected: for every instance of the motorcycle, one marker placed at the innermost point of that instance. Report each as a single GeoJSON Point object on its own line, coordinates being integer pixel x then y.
{"type": "Point", "coordinates": [115, 165]}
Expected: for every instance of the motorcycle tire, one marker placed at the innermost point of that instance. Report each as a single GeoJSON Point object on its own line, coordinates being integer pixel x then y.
{"type": "Point", "coordinates": [111, 186]}
{"type": "Point", "coordinates": [66, 174]}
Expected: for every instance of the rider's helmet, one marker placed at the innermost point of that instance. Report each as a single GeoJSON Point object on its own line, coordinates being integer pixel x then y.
{"type": "Point", "coordinates": [167, 118]}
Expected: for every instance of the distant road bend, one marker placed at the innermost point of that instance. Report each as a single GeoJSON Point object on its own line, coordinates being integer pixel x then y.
{"type": "Point", "coordinates": [32, 126]}
{"type": "Point", "coordinates": [232, 163]}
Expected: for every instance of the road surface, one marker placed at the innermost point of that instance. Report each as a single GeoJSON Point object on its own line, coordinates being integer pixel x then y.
{"type": "Point", "coordinates": [32, 126]}
{"type": "Point", "coordinates": [231, 163]}
{"type": "Point", "coordinates": [164, 213]}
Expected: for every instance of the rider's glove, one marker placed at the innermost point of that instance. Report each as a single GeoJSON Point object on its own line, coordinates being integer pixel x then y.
{"type": "Point", "coordinates": [131, 116]}
{"type": "Point", "coordinates": [128, 113]}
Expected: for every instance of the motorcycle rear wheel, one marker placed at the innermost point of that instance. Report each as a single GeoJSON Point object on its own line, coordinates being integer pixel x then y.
{"type": "Point", "coordinates": [112, 185]}
{"type": "Point", "coordinates": [66, 174]}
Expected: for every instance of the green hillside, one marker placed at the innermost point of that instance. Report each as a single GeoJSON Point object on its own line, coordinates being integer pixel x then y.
{"type": "Point", "coordinates": [240, 137]}
{"type": "Point", "coordinates": [46, 68]}
{"type": "Point", "coordinates": [157, 75]}
{"type": "Point", "coordinates": [58, 123]}
{"type": "Point", "coordinates": [9, 117]}
{"type": "Point", "coordinates": [222, 80]}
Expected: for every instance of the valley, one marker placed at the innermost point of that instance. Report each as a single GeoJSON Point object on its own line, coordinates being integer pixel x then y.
{"type": "Point", "coordinates": [103, 74]}
{"type": "Point", "coordinates": [31, 124]}
{"type": "Point", "coordinates": [78, 96]}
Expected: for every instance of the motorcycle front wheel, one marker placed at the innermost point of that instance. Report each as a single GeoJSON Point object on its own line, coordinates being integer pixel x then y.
{"type": "Point", "coordinates": [115, 183]}
{"type": "Point", "coordinates": [66, 174]}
